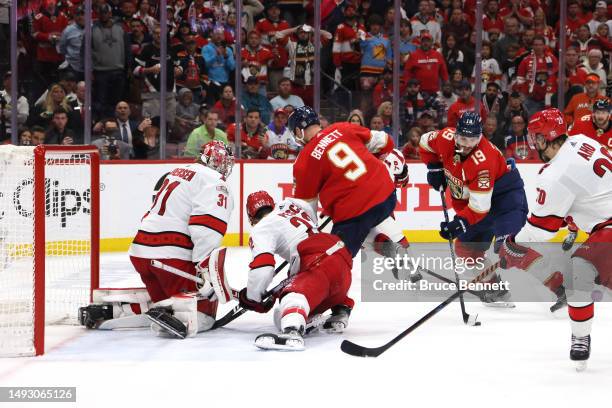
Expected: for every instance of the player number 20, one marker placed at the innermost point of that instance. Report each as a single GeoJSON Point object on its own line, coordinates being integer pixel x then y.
{"type": "Point", "coordinates": [341, 155]}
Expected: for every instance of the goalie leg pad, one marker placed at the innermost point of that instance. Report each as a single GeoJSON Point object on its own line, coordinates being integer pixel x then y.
{"type": "Point", "coordinates": [185, 309]}
{"type": "Point", "coordinates": [217, 277]}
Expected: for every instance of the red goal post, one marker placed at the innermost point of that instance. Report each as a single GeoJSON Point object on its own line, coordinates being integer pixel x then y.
{"type": "Point", "coordinates": [49, 240]}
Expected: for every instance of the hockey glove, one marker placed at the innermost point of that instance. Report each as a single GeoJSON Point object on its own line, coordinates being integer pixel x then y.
{"type": "Point", "coordinates": [451, 230]}
{"type": "Point", "coordinates": [435, 176]}
{"type": "Point", "coordinates": [397, 166]}
{"type": "Point", "coordinates": [259, 307]}
{"type": "Point", "coordinates": [513, 255]}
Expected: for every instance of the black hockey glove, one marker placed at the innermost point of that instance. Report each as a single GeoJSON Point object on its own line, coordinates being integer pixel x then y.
{"type": "Point", "coordinates": [451, 230]}
{"type": "Point", "coordinates": [435, 176]}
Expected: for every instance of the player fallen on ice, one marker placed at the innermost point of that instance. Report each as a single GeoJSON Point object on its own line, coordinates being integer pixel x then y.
{"type": "Point", "coordinates": [319, 271]}
{"type": "Point", "coordinates": [575, 182]}
{"type": "Point", "coordinates": [346, 167]}
{"type": "Point", "coordinates": [487, 194]}
{"type": "Point", "coordinates": [182, 229]}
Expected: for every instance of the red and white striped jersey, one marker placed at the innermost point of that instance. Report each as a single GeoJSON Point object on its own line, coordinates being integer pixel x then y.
{"type": "Point", "coordinates": [344, 46]}
{"type": "Point", "coordinates": [188, 218]}
{"type": "Point", "coordinates": [279, 232]}
{"type": "Point", "coordinates": [576, 183]}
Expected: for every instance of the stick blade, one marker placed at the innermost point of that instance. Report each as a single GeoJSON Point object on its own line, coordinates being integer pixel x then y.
{"type": "Point", "coordinates": [359, 351]}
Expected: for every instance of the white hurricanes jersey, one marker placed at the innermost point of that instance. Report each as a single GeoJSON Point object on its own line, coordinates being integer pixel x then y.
{"type": "Point", "coordinates": [188, 218]}
{"type": "Point", "coordinates": [279, 232]}
{"type": "Point", "coordinates": [576, 183]}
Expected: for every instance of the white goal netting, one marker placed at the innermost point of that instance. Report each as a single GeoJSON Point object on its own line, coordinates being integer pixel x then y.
{"type": "Point", "coordinates": [67, 244]}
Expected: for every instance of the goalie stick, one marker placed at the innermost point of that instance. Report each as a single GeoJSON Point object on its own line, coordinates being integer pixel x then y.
{"type": "Point", "coordinates": [468, 319]}
{"type": "Point", "coordinates": [360, 351]}
{"type": "Point", "coordinates": [238, 311]}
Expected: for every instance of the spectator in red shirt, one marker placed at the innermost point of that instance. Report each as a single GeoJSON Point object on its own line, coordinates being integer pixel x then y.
{"type": "Point", "coordinates": [256, 60]}
{"type": "Point", "coordinates": [491, 18]}
{"type": "Point", "coordinates": [574, 19]}
{"type": "Point", "coordinates": [466, 102]}
{"type": "Point", "coordinates": [574, 72]}
{"type": "Point", "coordinates": [411, 148]}
{"type": "Point", "coordinates": [383, 91]}
{"type": "Point", "coordinates": [520, 10]}
{"type": "Point", "coordinates": [517, 146]}
{"type": "Point", "coordinates": [427, 66]}
{"type": "Point", "coordinates": [225, 107]}
{"type": "Point", "coordinates": [47, 28]}
{"type": "Point", "coordinates": [346, 54]}
{"type": "Point", "coordinates": [252, 135]}
{"type": "Point", "coordinates": [268, 27]}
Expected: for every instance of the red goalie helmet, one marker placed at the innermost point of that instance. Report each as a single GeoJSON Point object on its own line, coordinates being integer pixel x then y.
{"type": "Point", "coordinates": [217, 156]}
{"type": "Point", "coordinates": [549, 123]}
{"type": "Point", "coordinates": [256, 201]}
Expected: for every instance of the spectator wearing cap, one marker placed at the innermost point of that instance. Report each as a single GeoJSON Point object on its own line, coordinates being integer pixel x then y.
{"type": "Point", "coordinates": [47, 28]}
{"type": "Point", "coordinates": [148, 68]}
{"type": "Point", "coordinates": [253, 100]}
{"type": "Point", "coordinates": [466, 102]}
{"type": "Point", "coordinates": [537, 76]}
{"type": "Point", "coordinates": [70, 44]}
{"type": "Point", "coordinates": [514, 107]}
{"type": "Point", "coordinates": [300, 68]}
{"type": "Point", "coordinates": [220, 62]}
{"type": "Point", "coordinates": [346, 53]}
{"type": "Point", "coordinates": [427, 66]}
{"type": "Point", "coordinates": [186, 115]}
{"type": "Point", "coordinates": [111, 58]}
{"type": "Point", "coordinates": [256, 60]}
{"type": "Point", "coordinates": [356, 117]}
{"type": "Point", "coordinates": [427, 120]}
{"type": "Point", "coordinates": [425, 20]}
{"type": "Point", "coordinates": [581, 104]}
{"type": "Point", "coordinates": [511, 36]}
{"type": "Point", "coordinates": [285, 96]}
{"type": "Point", "coordinates": [267, 27]}
{"type": "Point", "coordinates": [595, 66]}
{"type": "Point", "coordinates": [413, 103]}
{"type": "Point", "coordinates": [226, 107]}
{"type": "Point", "coordinates": [600, 16]}
{"type": "Point", "coordinates": [205, 133]}
{"type": "Point", "coordinates": [6, 107]}
{"type": "Point", "coordinates": [279, 141]}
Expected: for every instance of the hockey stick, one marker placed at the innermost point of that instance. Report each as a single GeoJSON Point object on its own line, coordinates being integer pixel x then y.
{"type": "Point", "coordinates": [238, 311]}
{"type": "Point", "coordinates": [467, 318]}
{"type": "Point", "coordinates": [360, 351]}
{"type": "Point", "coordinates": [186, 275]}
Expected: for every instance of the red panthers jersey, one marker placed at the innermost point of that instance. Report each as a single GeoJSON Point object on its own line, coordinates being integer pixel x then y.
{"type": "Point", "coordinates": [470, 180]}
{"type": "Point", "coordinates": [585, 126]}
{"type": "Point", "coordinates": [339, 166]}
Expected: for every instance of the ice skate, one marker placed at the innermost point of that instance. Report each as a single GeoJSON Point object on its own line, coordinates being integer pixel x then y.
{"type": "Point", "coordinates": [338, 321]}
{"type": "Point", "coordinates": [91, 316]}
{"type": "Point", "coordinates": [500, 298]}
{"type": "Point", "coordinates": [561, 299]}
{"type": "Point", "coordinates": [580, 351]}
{"type": "Point", "coordinates": [290, 340]}
{"type": "Point", "coordinates": [162, 318]}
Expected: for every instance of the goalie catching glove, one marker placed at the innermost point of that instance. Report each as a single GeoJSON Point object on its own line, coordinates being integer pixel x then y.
{"type": "Point", "coordinates": [395, 162]}
{"type": "Point", "coordinates": [212, 270]}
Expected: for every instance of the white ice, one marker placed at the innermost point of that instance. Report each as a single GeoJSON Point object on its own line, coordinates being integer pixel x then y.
{"type": "Point", "coordinates": [517, 358]}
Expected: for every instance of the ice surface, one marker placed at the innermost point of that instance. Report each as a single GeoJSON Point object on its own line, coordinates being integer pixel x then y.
{"type": "Point", "coordinates": [517, 358]}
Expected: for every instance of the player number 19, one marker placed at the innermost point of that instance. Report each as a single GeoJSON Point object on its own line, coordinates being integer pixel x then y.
{"type": "Point", "coordinates": [341, 155]}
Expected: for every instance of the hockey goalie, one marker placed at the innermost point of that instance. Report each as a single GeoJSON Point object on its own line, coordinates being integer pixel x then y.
{"type": "Point", "coordinates": [183, 230]}
{"type": "Point", "coordinates": [576, 183]}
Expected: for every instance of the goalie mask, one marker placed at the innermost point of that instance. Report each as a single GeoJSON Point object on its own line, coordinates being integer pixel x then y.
{"type": "Point", "coordinates": [217, 156]}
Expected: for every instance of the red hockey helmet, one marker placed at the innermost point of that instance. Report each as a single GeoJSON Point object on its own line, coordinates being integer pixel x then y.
{"type": "Point", "coordinates": [257, 201]}
{"type": "Point", "coordinates": [549, 123]}
{"type": "Point", "coordinates": [217, 156]}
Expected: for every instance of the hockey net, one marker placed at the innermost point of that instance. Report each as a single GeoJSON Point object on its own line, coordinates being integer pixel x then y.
{"type": "Point", "coordinates": [49, 242]}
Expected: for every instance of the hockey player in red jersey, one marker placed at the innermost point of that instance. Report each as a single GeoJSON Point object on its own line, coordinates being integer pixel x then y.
{"type": "Point", "coordinates": [576, 182]}
{"type": "Point", "coordinates": [319, 272]}
{"type": "Point", "coordinates": [341, 167]}
{"type": "Point", "coordinates": [185, 224]}
{"type": "Point", "coordinates": [596, 125]}
{"type": "Point", "coordinates": [487, 194]}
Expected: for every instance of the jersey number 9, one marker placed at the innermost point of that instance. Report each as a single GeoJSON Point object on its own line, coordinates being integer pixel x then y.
{"type": "Point", "coordinates": [341, 156]}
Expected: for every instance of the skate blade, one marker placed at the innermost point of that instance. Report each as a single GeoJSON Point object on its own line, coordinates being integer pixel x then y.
{"type": "Point", "coordinates": [557, 306]}
{"type": "Point", "coordinates": [580, 365]}
{"type": "Point", "coordinates": [271, 341]}
{"type": "Point", "coordinates": [169, 329]}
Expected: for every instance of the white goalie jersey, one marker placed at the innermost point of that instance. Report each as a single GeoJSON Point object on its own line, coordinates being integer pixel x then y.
{"type": "Point", "coordinates": [279, 232]}
{"type": "Point", "coordinates": [188, 218]}
{"type": "Point", "coordinates": [576, 183]}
